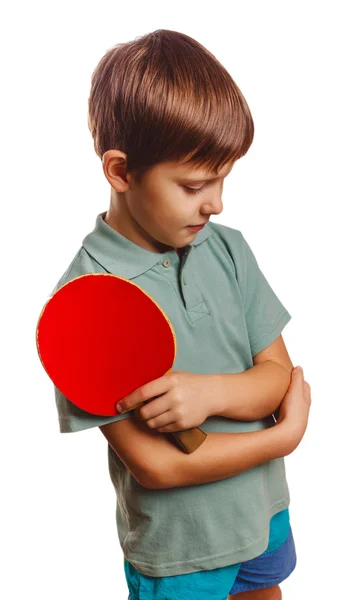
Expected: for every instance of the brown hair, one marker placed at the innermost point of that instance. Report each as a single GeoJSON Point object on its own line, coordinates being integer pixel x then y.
{"type": "Point", "coordinates": [165, 97]}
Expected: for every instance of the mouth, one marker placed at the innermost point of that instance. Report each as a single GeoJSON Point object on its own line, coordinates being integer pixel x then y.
{"type": "Point", "coordinates": [199, 224]}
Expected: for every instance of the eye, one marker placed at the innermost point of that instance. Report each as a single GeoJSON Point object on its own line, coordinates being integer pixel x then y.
{"type": "Point", "coordinates": [193, 190]}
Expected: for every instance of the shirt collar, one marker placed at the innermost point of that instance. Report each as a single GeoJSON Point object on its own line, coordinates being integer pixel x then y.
{"type": "Point", "coordinates": [120, 256]}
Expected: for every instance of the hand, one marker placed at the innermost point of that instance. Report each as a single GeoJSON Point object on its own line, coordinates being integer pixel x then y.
{"type": "Point", "coordinates": [294, 408]}
{"type": "Point", "coordinates": [178, 400]}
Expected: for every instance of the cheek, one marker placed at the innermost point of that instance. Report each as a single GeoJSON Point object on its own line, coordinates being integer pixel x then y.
{"type": "Point", "coordinates": [165, 206]}
{"type": "Point", "coordinates": [172, 208]}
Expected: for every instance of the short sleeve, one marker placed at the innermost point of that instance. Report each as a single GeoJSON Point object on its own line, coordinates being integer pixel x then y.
{"type": "Point", "coordinates": [72, 418]}
{"type": "Point", "coordinates": [265, 314]}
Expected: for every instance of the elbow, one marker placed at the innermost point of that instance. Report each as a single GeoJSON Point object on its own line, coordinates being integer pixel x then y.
{"type": "Point", "coordinates": [160, 481]}
{"type": "Point", "coordinates": [151, 480]}
{"type": "Point", "coordinates": [157, 482]}
{"type": "Point", "coordinates": [141, 474]}
{"type": "Point", "coordinates": [151, 483]}
{"type": "Point", "coordinates": [285, 381]}
{"type": "Point", "coordinates": [283, 377]}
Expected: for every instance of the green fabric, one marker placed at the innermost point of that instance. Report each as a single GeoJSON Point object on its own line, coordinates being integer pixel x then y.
{"type": "Point", "coordinates": [223, 312]}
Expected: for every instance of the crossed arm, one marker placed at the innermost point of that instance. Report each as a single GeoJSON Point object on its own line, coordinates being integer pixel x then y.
{"type": "Point", "coordinates": [261, 388]}
{"type": "Point", "coordinates": [155, 461]}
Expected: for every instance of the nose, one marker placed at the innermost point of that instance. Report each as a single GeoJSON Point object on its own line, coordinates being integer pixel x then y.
{"type": "Point", "coordinates": [214, 206]}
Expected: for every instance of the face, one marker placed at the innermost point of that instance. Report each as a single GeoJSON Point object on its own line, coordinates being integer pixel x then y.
{"type": "Point", "coordinates": [156, 213]}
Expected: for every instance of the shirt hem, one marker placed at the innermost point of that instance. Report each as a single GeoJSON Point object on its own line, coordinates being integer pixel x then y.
{"type": "Point", "coordinates": [211, 562]}
{"type": "Point", "coordinates": [70, 425]}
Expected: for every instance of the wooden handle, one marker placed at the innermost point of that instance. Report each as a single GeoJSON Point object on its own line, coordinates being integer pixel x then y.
{"type": "Point", "coordinates": [189, 440]}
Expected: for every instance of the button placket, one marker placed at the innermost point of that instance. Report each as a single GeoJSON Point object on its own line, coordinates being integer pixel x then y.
{"type": "Point", "coordinates": [184, 256]}
{"type": "Point", "coordinates": [190, 294]}
{"type": "Point", "coordinates": [184, 259]}
{"type": "Point", "coordinates": [194, 301]}
{"type": "Point", "coordinates": [175, 261]}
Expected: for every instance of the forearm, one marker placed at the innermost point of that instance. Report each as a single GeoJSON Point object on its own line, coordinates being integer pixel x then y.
{"type": "Point", "coordinates": [223, 455]}
{"type": "Point", "coordinates": [252, 394]}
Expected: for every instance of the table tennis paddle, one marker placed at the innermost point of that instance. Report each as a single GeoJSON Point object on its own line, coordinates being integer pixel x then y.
{"type": "Point", "coordinates": [99, 337]}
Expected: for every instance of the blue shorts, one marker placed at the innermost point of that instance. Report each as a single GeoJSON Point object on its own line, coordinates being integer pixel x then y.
{"type": "Point", "coordinates": [269, 569]}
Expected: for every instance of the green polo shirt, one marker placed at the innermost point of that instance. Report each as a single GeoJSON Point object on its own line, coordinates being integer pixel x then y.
{"type": "Point", "coordinates": [223, 312]}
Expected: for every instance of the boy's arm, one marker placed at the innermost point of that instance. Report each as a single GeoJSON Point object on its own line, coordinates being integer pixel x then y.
{"type": "Point", "coordinates": [223, 455]}
{"type": "Point", "coordinates": [156, 462]}
{"type": "Point", "coordinates": [258, 391]}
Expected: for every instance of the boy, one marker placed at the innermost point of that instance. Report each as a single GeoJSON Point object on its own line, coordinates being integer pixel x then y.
{"type": "Point", "coordinates": [169, 122]}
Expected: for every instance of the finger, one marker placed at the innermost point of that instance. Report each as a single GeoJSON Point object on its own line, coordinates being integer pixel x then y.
{"type": "Point", "coordinates": [157, 387]}
{"type": "Point", "coordinates": [298, 373]}
{"type": "Point", "coordinates": [307, 389]}
{"type": "Point", "coordinates": [149, 390]}
{"type": "Point", "coordinates": [161, 420]}
{"type": "Point", "coordinates": [154, 407]}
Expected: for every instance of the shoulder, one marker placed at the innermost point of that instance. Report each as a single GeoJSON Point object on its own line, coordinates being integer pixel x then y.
{"type": "Point", "coordinates": [234, 242]}
{"type": "Point", "coordinates": [229, 239]}
{"type": "Point", "coordinates": [81, 264]}
{"type": "Point", "coordinates": [228, 243]}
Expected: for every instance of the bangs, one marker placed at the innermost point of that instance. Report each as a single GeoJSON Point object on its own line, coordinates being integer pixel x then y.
{"type": "Point", "coordinates": [164, 97]}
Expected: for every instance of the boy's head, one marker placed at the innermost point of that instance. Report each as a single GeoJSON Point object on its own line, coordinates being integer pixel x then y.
{"type": "Point", "coordinates": [163, 113]}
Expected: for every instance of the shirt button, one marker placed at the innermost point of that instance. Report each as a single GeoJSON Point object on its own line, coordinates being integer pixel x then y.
{"type": "Point", "coordinates": [184, 281]}
{"type": "Point", "coordinates": [166, 262]}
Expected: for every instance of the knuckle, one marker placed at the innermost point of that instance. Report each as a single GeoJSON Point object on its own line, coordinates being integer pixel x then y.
{"type": "Point", "coordinates": [142, 394]}
{"type": "Point", "coordinates": [177, 400]}
{"type": "Point", "coordinates": [142, 412]}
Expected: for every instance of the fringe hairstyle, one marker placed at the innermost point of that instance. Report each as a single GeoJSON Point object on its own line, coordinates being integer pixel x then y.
{"type": "Point", "coordinates": [165, 97]}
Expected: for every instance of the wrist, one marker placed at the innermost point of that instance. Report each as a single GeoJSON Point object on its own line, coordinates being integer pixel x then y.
{"type": "Point", "coordinates": [215, 400]}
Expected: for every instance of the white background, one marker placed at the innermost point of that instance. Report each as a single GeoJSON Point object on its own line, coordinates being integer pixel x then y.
{"type": "Point", "coordinates": [293, 196]}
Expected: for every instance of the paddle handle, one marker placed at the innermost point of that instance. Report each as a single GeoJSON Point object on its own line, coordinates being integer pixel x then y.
{"type": "Point", "coordinates": [189, 440]}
